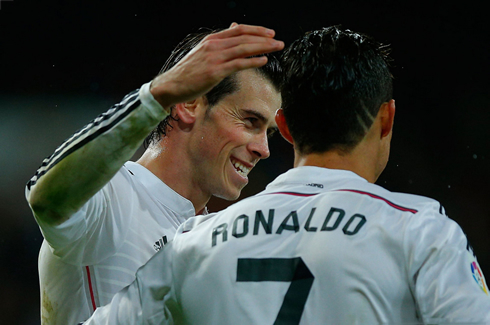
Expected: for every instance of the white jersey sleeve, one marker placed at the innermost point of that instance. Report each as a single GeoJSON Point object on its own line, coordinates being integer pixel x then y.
{"type": "Point", "coordinates": [94, 221]}
{"type": "Point", "coordinates": [448, 284]}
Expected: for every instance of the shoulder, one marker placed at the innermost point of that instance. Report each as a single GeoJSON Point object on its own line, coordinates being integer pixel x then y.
{"type": "Point", "coordinates": [427, 229]}
{"type": "Point", "coordinates": [202, 223]}
{"type": "Point", "coordinates": [421, 214]}
{"type": "Point", "coordinates": [428, 226]}
{"type": "Point", "coordinates": [123, 182]}
{"type": "Point", "coordinates": [193, 222]}
{"type": "Point", "coordinates": [416, 204]}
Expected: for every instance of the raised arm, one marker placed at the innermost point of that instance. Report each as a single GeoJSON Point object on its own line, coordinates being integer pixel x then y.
{"type": "Point", "coordinates": [84, 163]}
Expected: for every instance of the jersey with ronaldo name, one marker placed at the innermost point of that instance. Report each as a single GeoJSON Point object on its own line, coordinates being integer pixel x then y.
{"type": "Point", "coordinates": [87, 259]}
{"type": "Point", "coordinates": [318, 246]}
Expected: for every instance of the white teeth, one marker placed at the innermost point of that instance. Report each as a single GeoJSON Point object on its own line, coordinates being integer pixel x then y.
{"type": "Point", "coordinates": [240, 168]}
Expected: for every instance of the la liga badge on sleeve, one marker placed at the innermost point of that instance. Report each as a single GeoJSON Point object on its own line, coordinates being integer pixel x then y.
{"type": "Point", "coordinates": [478, 276]}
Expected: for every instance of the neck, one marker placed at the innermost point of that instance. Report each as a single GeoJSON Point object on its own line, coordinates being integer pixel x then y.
{"type": "Point", "coordinates": [360, 161]}
{"type": "Point", "coordinates": [174, 172]}
{"type": "Point", "coordinates": [368, 158]}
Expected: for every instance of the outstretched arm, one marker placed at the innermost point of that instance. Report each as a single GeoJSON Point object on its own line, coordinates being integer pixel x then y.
{"type": "Point", "coordinates": [83, 164]}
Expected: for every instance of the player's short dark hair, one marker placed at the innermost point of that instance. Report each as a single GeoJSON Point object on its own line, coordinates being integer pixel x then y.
{"type": "Point", "coordinates": [271, 71]}
{"type": "Point", "coordinates": [335, 81]}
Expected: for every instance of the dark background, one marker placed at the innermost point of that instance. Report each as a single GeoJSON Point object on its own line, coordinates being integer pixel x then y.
{"type": "Point", "coordinates": [64, 62]}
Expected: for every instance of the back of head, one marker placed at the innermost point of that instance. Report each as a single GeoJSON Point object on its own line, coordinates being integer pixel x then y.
{"type": "Point", "coordinates": [335, 82]}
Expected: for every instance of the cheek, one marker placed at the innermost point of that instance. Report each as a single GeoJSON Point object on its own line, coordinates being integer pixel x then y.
{"type": "Point", "coordinates": [226, 139]}
{"type": "Point", "coordinates": [212, 146]}
{"type": "Point", "coordinates": [217, 139]}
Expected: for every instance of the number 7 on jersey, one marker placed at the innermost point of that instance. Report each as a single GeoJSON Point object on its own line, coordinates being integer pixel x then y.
{"type": "Point", "coordinates": [292, 270]}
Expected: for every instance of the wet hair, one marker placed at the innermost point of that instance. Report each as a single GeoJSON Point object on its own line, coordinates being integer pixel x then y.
{"type": "Point", "coordinates": [335, 81]}
{"type": "Point", "coordinates": [271, 71]}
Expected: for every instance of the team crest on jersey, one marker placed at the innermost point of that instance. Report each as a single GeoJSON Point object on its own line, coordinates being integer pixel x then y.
{"type": "Point", "coordinates": [478, 276]}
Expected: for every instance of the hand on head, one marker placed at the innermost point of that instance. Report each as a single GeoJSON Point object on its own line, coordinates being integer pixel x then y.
{"type": "Point", "coordinates": [217, 56]}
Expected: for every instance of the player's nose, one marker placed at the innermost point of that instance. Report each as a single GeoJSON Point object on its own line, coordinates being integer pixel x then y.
{"type": "Point", "coordinates": [259, 146]}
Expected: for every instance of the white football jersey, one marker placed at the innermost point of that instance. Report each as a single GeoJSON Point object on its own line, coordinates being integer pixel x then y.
{"type": "Point", "coordinates": [318, 246]}
{"type": "Point", "coordinates": [87, 259]}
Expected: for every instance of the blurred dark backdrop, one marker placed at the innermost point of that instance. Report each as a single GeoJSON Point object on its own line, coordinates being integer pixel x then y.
{"type": "Point", "coordinates": [64, 62]}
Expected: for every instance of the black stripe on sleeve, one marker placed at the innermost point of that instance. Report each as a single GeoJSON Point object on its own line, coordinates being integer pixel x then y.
{"type": "Point", "coordinates": [442, 210]}
{"type": "Point", "coordinates": [95, 128]}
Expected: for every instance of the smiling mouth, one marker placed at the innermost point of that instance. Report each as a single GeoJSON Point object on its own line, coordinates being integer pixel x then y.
{"type": "Point", "coordinates": [240, 168]}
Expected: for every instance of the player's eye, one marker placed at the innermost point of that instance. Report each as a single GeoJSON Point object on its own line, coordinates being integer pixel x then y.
{"type": "Point", "coordinates": [251, 121]}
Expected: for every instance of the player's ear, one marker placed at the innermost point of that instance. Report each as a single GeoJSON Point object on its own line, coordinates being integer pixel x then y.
{"type": "Point", "coordinates": [387, 113]}
{"type": "Point", "coordinates": [282, 126]}
{"type": "Point", "coordinates": [187, 112]}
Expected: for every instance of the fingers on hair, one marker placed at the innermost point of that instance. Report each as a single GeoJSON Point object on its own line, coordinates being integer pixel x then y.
{"type": "Point", "coordinates": [244, 29]}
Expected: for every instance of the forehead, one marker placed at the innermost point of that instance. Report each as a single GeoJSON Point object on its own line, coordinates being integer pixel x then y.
{"type": "Point", "coordinates": [253, 80]}
{"type": "Point", "coordinates": [255, 92]}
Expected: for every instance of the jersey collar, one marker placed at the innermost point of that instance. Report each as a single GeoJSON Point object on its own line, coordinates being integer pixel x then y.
{"type": "Point", "coordinates": [310, 179]}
